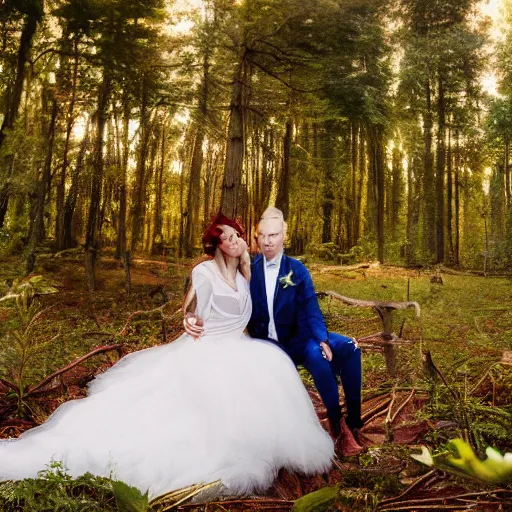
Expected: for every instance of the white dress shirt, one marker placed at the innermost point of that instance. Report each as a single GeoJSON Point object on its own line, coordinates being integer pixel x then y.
{"type": "Point", "coordinates": [271, 271]}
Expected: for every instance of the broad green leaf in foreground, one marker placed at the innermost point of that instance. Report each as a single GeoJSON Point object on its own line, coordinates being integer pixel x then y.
{"type": "Point", "coordinates": [317, 501]}
{"type": "Point", "coordinates": [130, 499]}
{"type": "Point", "coordinates": [459, 458]}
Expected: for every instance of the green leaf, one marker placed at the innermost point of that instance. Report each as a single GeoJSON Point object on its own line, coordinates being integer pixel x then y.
{"type": "Point", "coordinates": [317, 501]}
{"type": "Point", "coordinates": [462, 460]}
{"type": "Point", "coordinates": [130, 499]}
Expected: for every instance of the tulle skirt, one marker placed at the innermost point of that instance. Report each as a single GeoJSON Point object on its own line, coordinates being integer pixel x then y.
{"type": "Point", "coordinates": [225, 408]}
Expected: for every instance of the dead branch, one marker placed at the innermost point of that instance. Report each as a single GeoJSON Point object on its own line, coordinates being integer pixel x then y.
{"type": "Point", "coordinates": [249, 502]}
{"type": "Point", "coordinates": [402, 405]}
{"type": "Point", "coordinates": [343, 268]}
{"type": "Point", "coordinates": [98, 350]}
{"type": "Point", "coordinates": [371, 303]}
{"type": "Point", "coordinates": [440, 502]}
{"type": "Point", "coordinates": [417, 483]}
{"type": "Point", "coordinates": [8, 384]}
{"type": "Point", "coordinates": [477, 273]}
{"type": "Point", "coordinates": [376, 409]}
{"type": "Point", "coordinates": [97, 333]}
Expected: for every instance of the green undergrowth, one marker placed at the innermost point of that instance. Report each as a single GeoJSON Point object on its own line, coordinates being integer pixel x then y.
{"type": "Point", "coordinates": [56, 491]}
{"type": "Point", "coordinates": [465, 326]}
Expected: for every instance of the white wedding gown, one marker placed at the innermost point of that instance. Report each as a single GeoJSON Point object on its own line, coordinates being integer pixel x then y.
{"type": "Point", "coordinates": [224, 407]}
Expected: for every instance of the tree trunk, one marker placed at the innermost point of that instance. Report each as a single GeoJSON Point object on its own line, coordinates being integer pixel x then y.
{"type": "Point", "coordinates": [72, 197]}
{"type": "Point", "coordinates": [157, 244]}
{"type": "Point", "coordinates": [231, 199]}
{"type": "Point", "coordinates": [194, 191]}
{"type": "Point", "coordinates": [12, 103]}
{"type": "Point", "coordinates": [91, 242]}
{"type": "Point", "coordinates": [139, 192]}
{"type": "Point", "coordinates": [429, 210]}
{"type": "Point", "coordinates": [61, 182]}
{"type": "Point", "coordinates": [328, 182]}
{"type": "Point", "coordinates": [283, 192]}
{"type": "Point", "coordinates": [507, 171]}
{"type": "Point", "coordinates": [350, 216]}
{"type": "Point", "coordinates": [360, 186]}
{"type": "Point", "coordinates": [380, 192]}
{"type": "Point", "coordinates": [457, 200]}
{"type": "Point", "coordinates": [449, 200]}
{"type": "Point", "coordinates": [440, 172]}
{"type": "Point", "coordinates": [396, 193]}
{"type": "Point", "coordinates": [37, 234]}
{"type": "Point", "coordinates": [125, 152]}
{"type": "Point", "coordinates": [412, 209]}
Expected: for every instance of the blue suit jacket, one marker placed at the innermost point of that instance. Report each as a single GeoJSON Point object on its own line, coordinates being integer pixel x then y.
{"type": "Point", "coordinates": [297, 315]}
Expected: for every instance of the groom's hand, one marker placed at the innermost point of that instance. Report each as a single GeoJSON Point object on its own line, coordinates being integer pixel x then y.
{"type": "Point", "coordinates": [194, 325]}
{"type": "Point", "coordinates": [326, 349]}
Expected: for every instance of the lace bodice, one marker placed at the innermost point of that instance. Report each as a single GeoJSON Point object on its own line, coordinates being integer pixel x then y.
{"type": "Point", "coordinates": [223, 309]}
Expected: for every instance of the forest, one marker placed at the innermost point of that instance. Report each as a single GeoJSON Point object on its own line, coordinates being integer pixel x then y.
{"type": "Point", "coordinates": [381, 129]}
{"type": "Point", "coordinates": [129, 124]}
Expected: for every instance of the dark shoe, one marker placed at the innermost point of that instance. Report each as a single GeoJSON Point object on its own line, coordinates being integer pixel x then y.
{"type": "Point", "coordinates": [346, 445]}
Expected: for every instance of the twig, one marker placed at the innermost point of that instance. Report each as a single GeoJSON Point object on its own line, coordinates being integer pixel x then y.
{"type": "Point", "coordinates": [376, 409]}
{"type": "Point", "coordinates": [97, 333]}
{"type": "Point", "coordinates": [94, 352]}
{"type": "Point", "coordinates": [266, 501]}
{"type": "Point", "coordinates": [412, 487]}
{"type": "Point", "coordinates": [402, 405]}
{"type": "Point", "coordinates": [8, 384]}
{"type": "Point", "coordinates": [388, 422]}
{"type": "Point", "coordinates": [416, 503]}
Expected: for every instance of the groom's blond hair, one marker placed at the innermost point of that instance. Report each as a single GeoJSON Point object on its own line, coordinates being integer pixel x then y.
{"type": "Point", "coordinates": [274, 213]}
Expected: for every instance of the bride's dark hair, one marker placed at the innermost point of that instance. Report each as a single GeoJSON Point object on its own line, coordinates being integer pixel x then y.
{"type": "Point", "coordinates": [211, 237]}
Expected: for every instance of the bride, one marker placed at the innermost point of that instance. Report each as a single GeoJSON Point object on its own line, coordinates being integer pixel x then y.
{"type": "Point", "coordinates": [221, 407]}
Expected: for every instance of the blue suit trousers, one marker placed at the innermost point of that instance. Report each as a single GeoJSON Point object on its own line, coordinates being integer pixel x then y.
{"type": "Point", "coordinates": [345, 365]}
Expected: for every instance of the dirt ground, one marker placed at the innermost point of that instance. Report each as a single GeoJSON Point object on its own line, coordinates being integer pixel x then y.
{"type": "Point", "coordinates": [397, 420]}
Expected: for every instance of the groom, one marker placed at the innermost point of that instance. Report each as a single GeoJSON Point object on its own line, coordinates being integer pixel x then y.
{"type": "Point", "coordinates": [286, 312]}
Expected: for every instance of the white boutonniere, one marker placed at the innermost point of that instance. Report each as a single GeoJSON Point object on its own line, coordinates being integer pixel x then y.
{"type": "Point", "coordinates": [286, 280]}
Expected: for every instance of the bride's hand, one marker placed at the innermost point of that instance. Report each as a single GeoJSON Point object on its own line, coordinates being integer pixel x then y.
{"type": "Point", "coordinates": [194, 325]}
{"type": "Point", "coordinates": [245, 261]}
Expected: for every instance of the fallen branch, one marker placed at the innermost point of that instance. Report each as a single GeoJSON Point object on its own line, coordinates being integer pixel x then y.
{"type": "Point", "coordinates": [439, 502]}
{"type": "Point", "coordinates": [402, 405]}
{"type": "Point", "coordinates": [381, 406]}
{"type": "Point", "coordinates": [98, 350]}
{"type": "Point", "coordinates": [267, 503]}
{"type": "Point", "coordinates": [417, 483]}
{"type": "Point", "coordinates": [371, 303]}
{"type": "Point", "coordinates": [479, 273]}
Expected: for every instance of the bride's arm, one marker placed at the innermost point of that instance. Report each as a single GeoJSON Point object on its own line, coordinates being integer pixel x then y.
{"type": "Point", "coordinates": [202, 290]}
{"type": "Point", "coordinates": [244, 260]}
{"type": "Point", "coordinates": [245, 265]}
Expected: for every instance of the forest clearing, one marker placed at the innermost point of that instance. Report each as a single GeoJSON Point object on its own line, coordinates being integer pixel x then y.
{"type": "Point", "coordinates": [379, 129]}
{"type": "Point", "coordinates": [465, 325]}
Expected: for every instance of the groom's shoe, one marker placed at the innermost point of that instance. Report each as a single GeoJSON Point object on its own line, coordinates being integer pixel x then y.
{"type": "Point", "coordinates": [346, 445]}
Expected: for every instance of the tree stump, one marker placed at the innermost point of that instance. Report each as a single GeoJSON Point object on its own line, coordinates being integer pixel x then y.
{"type": "Point", "coordinates": [386, 340]}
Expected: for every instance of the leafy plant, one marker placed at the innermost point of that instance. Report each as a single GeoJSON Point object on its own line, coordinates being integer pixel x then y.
{"type": "Point", "coordinates": [22, 342]}
{"type": "Point", "coordinates": [130, 499]}
{"type": "Point", "coordinates": [460, 459]}
{"type": "Point", "coordinates": [56, 491]}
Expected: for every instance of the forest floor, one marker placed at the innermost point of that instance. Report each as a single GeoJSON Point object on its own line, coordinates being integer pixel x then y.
{"type": "Point", "coordinates": [453, 377]}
